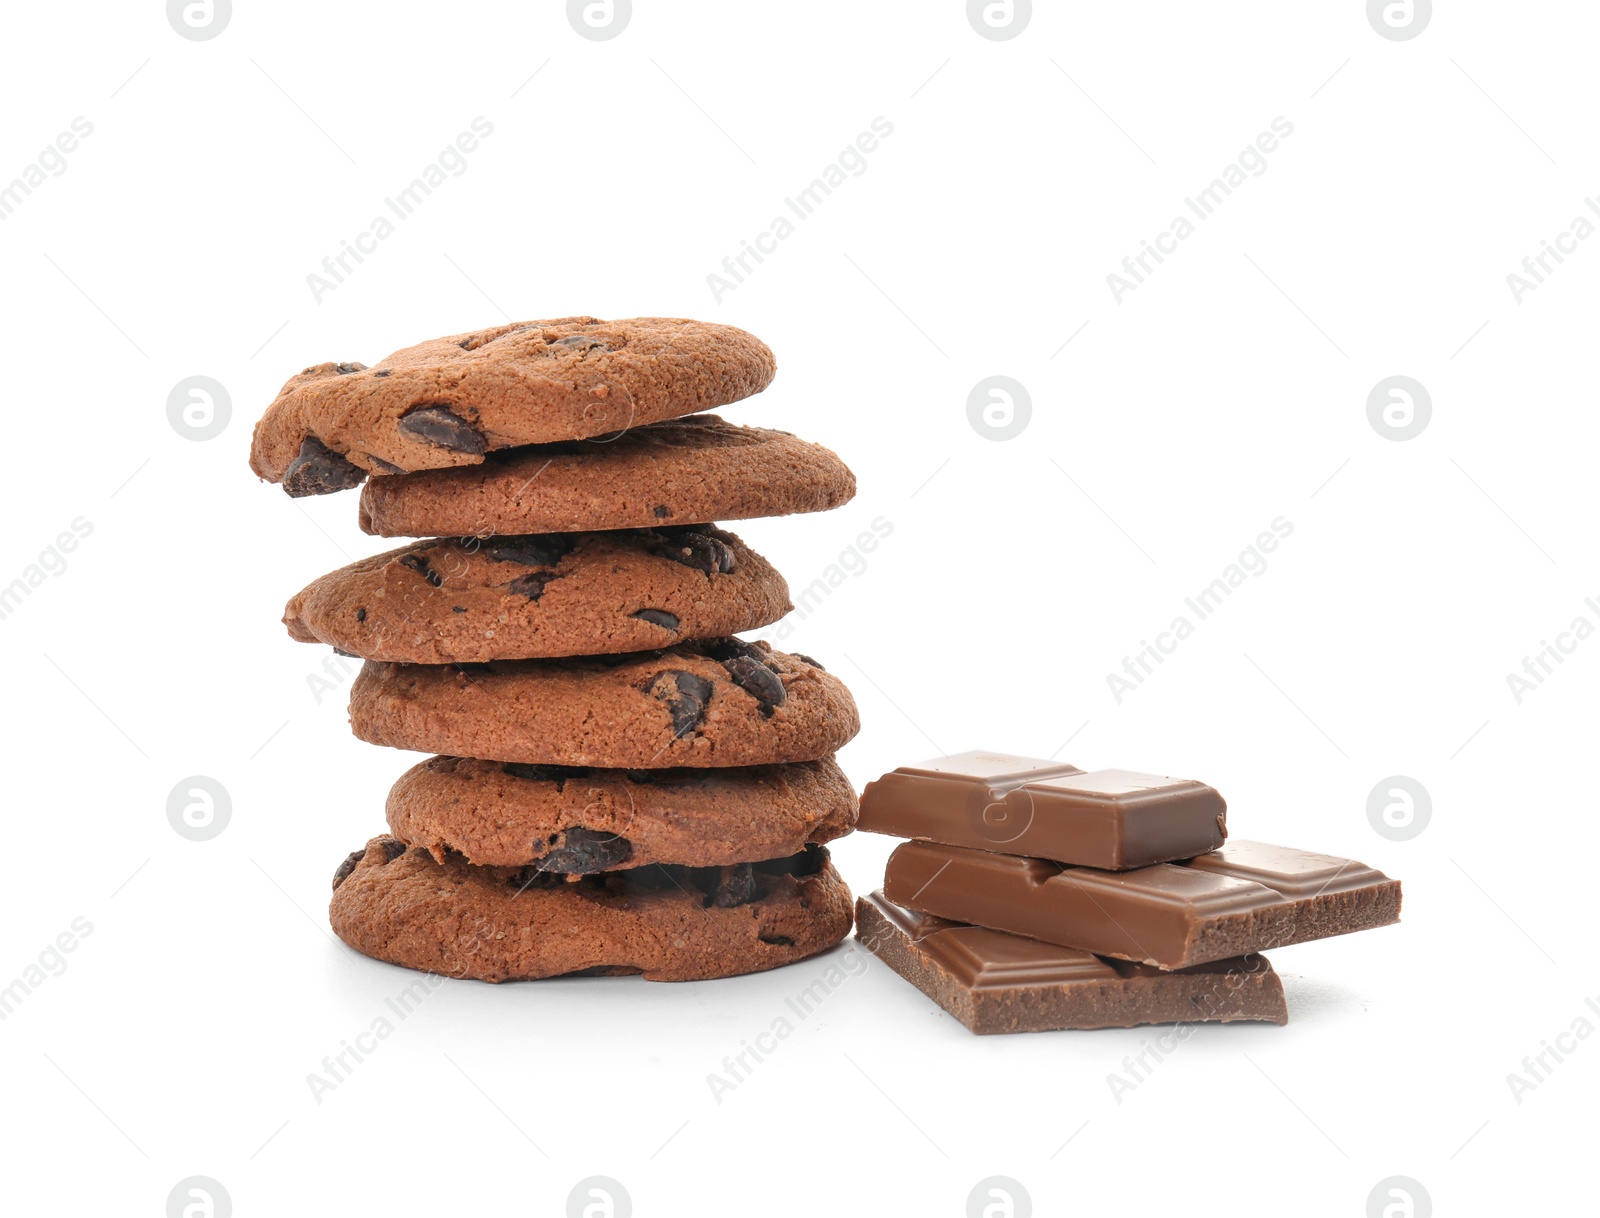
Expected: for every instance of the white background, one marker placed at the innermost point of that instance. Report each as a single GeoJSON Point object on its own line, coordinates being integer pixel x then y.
{"type": "Point", "coordinates": [1228, 390]}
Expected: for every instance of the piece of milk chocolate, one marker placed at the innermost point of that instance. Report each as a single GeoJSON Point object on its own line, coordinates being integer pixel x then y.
{"type": "Point", "coordinates": [1327, 895]}
{"type": "Point", "coordinates": [1247, 898]}
{"type": "Point", "coordinates": [995, 982]}
{"type": "Point", "coordinates": [1115, 820]}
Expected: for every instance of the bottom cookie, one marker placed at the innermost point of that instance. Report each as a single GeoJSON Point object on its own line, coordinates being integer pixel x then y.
{"type": "Point", "coordinates": [508, 923]}
{"type": "Point", "coordinates": [996, 982]}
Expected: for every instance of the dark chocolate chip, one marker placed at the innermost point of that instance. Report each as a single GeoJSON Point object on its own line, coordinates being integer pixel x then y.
{"type": "Point", "coordinates": [361, 615]}
{"type": "Point", "coordinates": [393, 848]}
{"type": "Point", "coordinates": [458, 608]}
{"type": "Point", "coordinates": [584, 852]}
{"type": "Point", "coordinates": [539, 550]}
{"type": "Point", "coordinates": [347, 369]}
{"type": "Point", "coordinates": [466, 344]}
{"type": "Point", "coordinates": [349, 655]}
{"type": "Point", "coordinates": [732, 648]}
{"type": "Point", "coordinates": [419, 564]}
{"type": "Point", "coordinates": [384, 372]}
{"type": "Point", "coordinates": [735, 885]}
{"type": "Point", "coordinates": [697, 550]}
{"type": "Point", "coordinates": [349, 865]}
{"type": "Point", "coordinates": [318, 470]}
{"type": "Point", "coordinates": [384, 467]}
{"type": "Point", "coordinates": [721, 553]}
{"type": "Point", "coordinates": [757, 680]}
{"type": "Point", "coordinates": [686, 696]}
{"type": "Point", "coordinates": [810, 661]}
{"type": "Point", "coordinates": [531, 585]}
{"type": "Point", "coordinates": [657, 617]}
{"type": "Point", "coordinates": [443, 428]}
{"type": "Point", "coordinates": [776, 940]}
{"type": "Point", "coordinates": [662, 511]}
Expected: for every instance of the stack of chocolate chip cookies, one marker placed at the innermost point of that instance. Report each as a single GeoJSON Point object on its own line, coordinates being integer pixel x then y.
{"type": "Point", "coordinates": [622, 785]}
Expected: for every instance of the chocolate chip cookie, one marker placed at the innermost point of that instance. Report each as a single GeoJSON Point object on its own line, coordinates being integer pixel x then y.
{"type": "Point", "coordinates": [682, 471]}
{"type": "Point", "coordinates": [507, 924]}
{"type": "Point", "coordinates": [509, 598]}
{"type": "Point", "coordinates": [576, 821]}
{"type": "Point", "coordinates": [714, 702]}
{"type": "Point", "coordinates": [448, 401]}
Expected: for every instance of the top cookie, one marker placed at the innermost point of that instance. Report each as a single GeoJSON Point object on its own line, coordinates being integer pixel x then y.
{"type": "Point", "coordinates": [682, 471]}
{"type": "Point", "coordinates": [448, 401]}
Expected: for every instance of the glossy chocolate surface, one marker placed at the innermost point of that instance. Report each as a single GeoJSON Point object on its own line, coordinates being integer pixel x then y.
{"type": "Point", "coordinates": [1111, 819]}
{"type": "Point", "coordinates": [1247, 898]}
{"type": "Point", "coordinates": [995, 982]}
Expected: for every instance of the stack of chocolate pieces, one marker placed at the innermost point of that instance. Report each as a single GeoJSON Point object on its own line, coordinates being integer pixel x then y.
{"type": "Point", "coordinates": [622, 785]}
{"type": "Point", "coordinates": [1035, 896]}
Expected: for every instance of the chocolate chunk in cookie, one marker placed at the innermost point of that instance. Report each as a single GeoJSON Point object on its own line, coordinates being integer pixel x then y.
{"type": "Point", "coordinates": [532, 585]}
{"type": "Point", "coordinates": [444, 428]}
{"type": "Point", "coordinates": [732, 887]}
{"type": "Point", "coordinates": [580, 851]}
{"type": "Point", "coordinates": [702, 550]}
{"type": "Point", "coordinates": [657, 617]}
{"type": "Point", "coordinates": [757, 680]}
{"type": "Point", "coordinates": [346, 867]}
{"type": "Point", "coordinates": [318, 470]}
{"type": "Point", "coordinates": [419, 563]}
{"type": "Point", "coordinates": [686, 696]}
